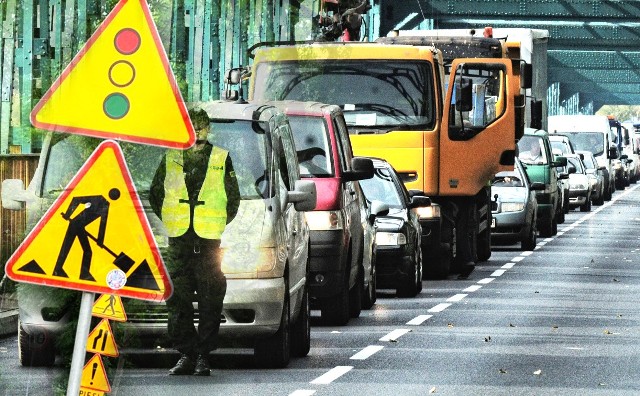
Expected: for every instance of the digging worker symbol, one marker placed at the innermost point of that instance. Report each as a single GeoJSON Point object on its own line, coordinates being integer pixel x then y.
{"type": "Point", "coordinates": [95, 207]}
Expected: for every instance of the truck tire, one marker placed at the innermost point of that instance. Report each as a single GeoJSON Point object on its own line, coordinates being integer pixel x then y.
{"type": "Point", "coordinates": [439, 266]}
{"type": "Point", "coordinates": [484, 245]}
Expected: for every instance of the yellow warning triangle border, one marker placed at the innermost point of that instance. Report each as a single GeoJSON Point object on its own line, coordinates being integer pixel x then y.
{"type": "Point", "coordinates": [119, 315]}
{"type": "Point", "coordinates": [94, 375]}
{"type": "Point", "coordinates": [111, 135]}
{"type": "Point", "coordinates": [55, 208]}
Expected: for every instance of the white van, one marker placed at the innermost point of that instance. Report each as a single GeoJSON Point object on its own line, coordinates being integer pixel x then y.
{"type": "Point", "coordinates": [590, 133]}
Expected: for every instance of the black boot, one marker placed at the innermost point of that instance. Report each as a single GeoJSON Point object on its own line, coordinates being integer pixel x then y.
{"type": "Point", "coordinates": [202, 366]}
{"type": "Point", "coordinates": [185, 366]}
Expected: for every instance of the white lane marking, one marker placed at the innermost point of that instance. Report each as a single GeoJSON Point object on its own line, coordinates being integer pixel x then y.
{"type": "Point", "coordinates": [302, 392]}
{"type": "Point", "coordinates": [516, 259]}
{"type": "Point", "coordinates": [548, 239]}
{"type": "Point", "coordinates": [485, 281]}
{"type": "Point", "coordinates": [508, 265]}
{"type": "Point", "coordinates": [473, 288]}
{"type": "Point", "coordinates": [418, 320]}
{"type": "Point", "coordinates": [456, 298]}
{"type": "Point", "coordinates": [332, 375]}
{"type": "Point", "coordinates": [542, 243]}
{"type": "Point", "coordinates": [439, 308]}
{"type": "Point", "coordinates": [394, 335]}
{"type": "Point", "coordinates": [499, 272]}
{"type": "Point", "coordinates": [527, 253]}
{"type": "Point", "coordinates": [560, 233]}
{"type": "Point", "coordinates": [366, 352]}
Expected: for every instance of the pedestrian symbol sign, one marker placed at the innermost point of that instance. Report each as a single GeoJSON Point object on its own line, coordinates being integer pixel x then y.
{"type": "Point", "coordinates": [101, 340]}
{"type": "Point", "coordinates": [109, 306]}
{"type": "Point", "coordinates": [119, 86]}
{"type": "Point", "coordinates": [94, 375]}
{"type": "Point", "coordinates": [95, 237]}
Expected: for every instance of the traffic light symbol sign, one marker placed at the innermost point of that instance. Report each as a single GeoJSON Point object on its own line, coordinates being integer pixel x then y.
{"type": "Point", "coordinates": [120, 86]}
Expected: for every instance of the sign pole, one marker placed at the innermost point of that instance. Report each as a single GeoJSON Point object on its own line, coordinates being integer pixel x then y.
{"type": "Point", "coordinates": [80, 346]}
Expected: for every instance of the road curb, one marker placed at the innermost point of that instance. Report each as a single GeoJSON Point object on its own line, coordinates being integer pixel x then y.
{"type": "Point", "coordinates": [8, 322]}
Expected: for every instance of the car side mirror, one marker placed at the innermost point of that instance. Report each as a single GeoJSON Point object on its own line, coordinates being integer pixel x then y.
{"type": "Point", "coordinates": [420, 201]}
{"type": "Point", "coordinates": [613, 152]}
{"type": "Point", "coordinates": [378, 208]}
{"type": "Point", "coordinates": [571, 169]}
{"type": "Point", "coordinates": [361, 169]}
{"type": "Point", "coordinates": [13, 194]}
{"type": "Point", "coordinates": [304, 196]}
{"type": "Point", "coordinates": [602, 168]}
{"type": "Point", "coordinates": [563, 176]}
{"type": "Point", "coordinates": [624, 156]}
{"type": "Point", "coordinates": [413, 193]}
{"type": "Point", "coordinates": [559, 161]}
{"type": "Point", "coordinates": [537, 186]}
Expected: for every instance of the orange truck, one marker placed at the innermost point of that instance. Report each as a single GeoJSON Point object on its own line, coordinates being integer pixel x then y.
{"type": "Point", "coordinates": [446, 137]}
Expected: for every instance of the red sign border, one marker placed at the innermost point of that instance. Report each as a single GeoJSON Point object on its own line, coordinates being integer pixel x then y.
{"type": "Point", "coordinates": [111, 135]}
{"type": "Point", "coordinates": [55, 208]}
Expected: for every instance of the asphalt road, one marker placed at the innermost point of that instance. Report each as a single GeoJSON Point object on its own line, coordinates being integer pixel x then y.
{"type": "Point", "coordinates": [562, 320]}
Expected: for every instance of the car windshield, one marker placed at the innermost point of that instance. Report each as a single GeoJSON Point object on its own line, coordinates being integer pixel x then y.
{"type": "Point", "coordinates": [389, 94]}
{"type": "Point", "coordinates": [312, 146]}
{"type": "Point", "coordinates": [576, 163]}
{"type": "Point", "coordinates": [507, 179]}
{"type": "Point", "coordinates": [587, 141]}
{"type": "Point", "coordinates": [382, 188]}
{"type": "Point", "coordinates": [247, 145]}
{"type": "Point", "coordinates": [589, 162]}
{"type": "Point", "coordinates": [531, 150]}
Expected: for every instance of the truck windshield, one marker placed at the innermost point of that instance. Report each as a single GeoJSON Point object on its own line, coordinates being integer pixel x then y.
{"type": "Point", "coordinates": [376, 94]}
{"type": "Point", "coordinates": [588, 141]}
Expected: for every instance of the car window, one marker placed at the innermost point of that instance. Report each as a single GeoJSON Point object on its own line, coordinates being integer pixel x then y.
{"type": "Point", "coordinates": [577, 164]}
{"type": "Point", "coordinates": [382, 188]}
{"type": "Point", "coordinates": [507, 181]}
{"type": "Point", "coordinates": [313, 146]}
{"type": "Point", "coordinates": [532, 151]}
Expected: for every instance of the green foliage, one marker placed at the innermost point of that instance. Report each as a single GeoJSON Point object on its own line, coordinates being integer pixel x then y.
{"type": "Point", "coordinates": [622, 113]}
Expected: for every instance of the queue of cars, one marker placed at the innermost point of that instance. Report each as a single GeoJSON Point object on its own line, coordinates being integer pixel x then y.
{"type": "Point", "coordinates": [317, 228]}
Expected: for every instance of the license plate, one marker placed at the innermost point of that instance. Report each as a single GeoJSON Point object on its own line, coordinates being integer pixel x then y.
{"type": "Point", "coordinates": [493, 222]}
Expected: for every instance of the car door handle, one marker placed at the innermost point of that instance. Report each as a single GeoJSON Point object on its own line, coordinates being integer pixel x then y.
{"type": "Point", "coordinates": [294, 232]}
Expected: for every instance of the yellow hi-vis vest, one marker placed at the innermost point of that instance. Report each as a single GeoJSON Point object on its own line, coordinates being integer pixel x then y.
{"type": "Point", "coordinates": [210, 217]}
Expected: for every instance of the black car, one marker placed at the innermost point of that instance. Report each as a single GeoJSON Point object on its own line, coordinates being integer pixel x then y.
{"type": "Point", "coordinates": [399, 257]}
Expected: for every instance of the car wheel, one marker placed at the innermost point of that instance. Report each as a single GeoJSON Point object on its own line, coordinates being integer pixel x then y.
{"type": "Point", "coordinates": [301, 328]}
{"type": "Point", "coordinates": [369, 296]}
{"type": "Point", "coordinates": [408, 287]}
{"type": "Point", "coordinates": [529, 243]}
{"type": "Point", "coordinates": [561, 216]}
{"type": "Point", "coordinates": [31, 355]}
{"type": "Point", "coordinates": [546, 229]}
{"type": "Point", "coordinates": [275, 350]}
{"type": "Point", "coordinates": [355, 295]}
{"type": "Point", "coordinates": [554, 226]}
{"type": "Point", "coordinates": [600, 200]}
{"type": "Point", "coordinates": [587, 206]}
{"type": "Point", "coordinates": [420, 267]}
{"type": "Point", "coordinates": [335, 310]}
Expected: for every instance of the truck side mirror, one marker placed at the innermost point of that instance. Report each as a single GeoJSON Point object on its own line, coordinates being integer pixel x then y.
{"type": "Point", "coordinates": [613, 152]}
{"type": "Point", "coordinates": [526, 77]}
{"type": "Point", "coordinates": [464, 94]}
{"type": "Point", "coordinates": [536, 114]}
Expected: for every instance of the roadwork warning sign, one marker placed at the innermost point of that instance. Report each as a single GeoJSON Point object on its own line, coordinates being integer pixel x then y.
{"type": "Point", "coordinates": [95, 237]}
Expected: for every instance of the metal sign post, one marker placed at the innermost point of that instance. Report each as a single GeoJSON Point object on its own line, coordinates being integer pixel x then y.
{"type": "Point", "coordinates": [80, 346]}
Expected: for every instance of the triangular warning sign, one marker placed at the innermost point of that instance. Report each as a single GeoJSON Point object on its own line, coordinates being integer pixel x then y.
{"type": "Point", "coordinates": [89, 392]}
{"type": "Point", "coordinates": [119, 86]}
{"type": "Point", "coordinates": [109, 306]}
{"type": "Point", "coordinates": [101, 340]}
{"type": "Point", "coordinates": [94, 375]}
{"type": "Point", "coordinates": [95, 237]}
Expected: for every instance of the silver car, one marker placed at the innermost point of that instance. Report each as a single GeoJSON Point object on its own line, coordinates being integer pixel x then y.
{"type": "Point", "coordinates": [579, 184]}
{"type": "Point", "coordinates": [596, 176]}
{"type": "Point", "coordinates": [514, 209]}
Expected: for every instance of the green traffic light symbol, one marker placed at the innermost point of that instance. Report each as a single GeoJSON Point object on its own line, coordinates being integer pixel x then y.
{"type": "Point", "coordinates": [116, 106]}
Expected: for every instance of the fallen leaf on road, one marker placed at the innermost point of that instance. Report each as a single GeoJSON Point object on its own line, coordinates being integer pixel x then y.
{"type": "Point", "coordinates": [450, 325]}
{"type": "Point", "coordinates": [432, 390]}
{"type": "Point", "coordinates": [393, 340]}
{"type": "Point", "coordinates": [502, 371]}
{"type": "Point", "coordinates": [537, 372]}
{"type": "Point", "coordinates": [512, 325]}
{"type": "Point", "coordinates": [615, 280]}
{"type": "Point", "coordinates": [554, 327]}
{"type": "Point", "coordinates": [607, 332]}
{"type": "Point", "coordinates": [487, 339]}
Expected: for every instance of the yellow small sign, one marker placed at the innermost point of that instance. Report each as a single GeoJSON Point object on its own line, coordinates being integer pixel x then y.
{"type": "Point", "coordinates": [94, 376]}
{"type": "Point", "coordinates": [109, 306]}
{"type": "Point", "coordinates": [119, 86]}
{"type": "Point", "coordinates": [101, 340]}
{"type": "Point", "coordinates": [95, 237]}
{"type": "Point", "coordinates": [90, 392]}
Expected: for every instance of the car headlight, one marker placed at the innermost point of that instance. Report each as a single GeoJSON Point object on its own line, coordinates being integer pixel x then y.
{"type": "Point", "coordinates": [390, 238]}
{"type": "Point", "coordinates": [324, 220]}
{"type": "Point", "coordinates": [428, 212]}
{"type": "Point", "coordinates": [512, 206]}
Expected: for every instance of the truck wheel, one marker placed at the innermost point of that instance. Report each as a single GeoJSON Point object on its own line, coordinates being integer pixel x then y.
{"type": "Point", "coordinates": [275, 350]}
{"type": "Point", "coordinates": [31, 355]}
{"type": "Point", "coordinates": [484, 245]}
{"type": "Point", "coordinates": [301, 328]}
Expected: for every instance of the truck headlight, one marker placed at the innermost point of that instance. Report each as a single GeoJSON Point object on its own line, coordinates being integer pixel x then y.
{"type": "Point", "coordinates": [428, 212]}
{"type": "Point", "coordinates": [512, 206]}
{"type": "Point", "coordinates": [324, 220]}
{"type": "Point", "coordinates": [390, 238]}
